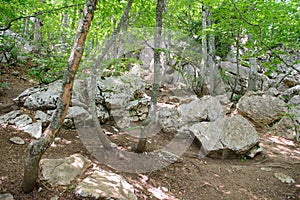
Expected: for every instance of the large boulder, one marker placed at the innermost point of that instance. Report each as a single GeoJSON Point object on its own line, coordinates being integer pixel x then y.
{"type": "Point", "coordinates": [207, 108]}
{"type": "Point", "coordinates": [263, 110]}
{"type": "Point", "coordinates": [225, 135]}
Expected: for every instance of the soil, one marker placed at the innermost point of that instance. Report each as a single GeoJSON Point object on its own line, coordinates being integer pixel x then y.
{"type": "Point", "coordinates": [190, 177]}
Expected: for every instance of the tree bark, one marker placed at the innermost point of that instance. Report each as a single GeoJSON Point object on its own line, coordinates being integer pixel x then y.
{"type": "Point", "coordinates": [145, 126]}
{"type": "Point", "coordinates": [252, 74]}
{"type": "Point", "coordinates": [105, 141]}
{"type": "Point", "coordinates": [37, 148]}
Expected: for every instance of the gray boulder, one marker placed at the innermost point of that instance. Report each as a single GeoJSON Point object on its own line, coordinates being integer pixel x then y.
{"type": "Point", "coordinates": [226, 135]}
{"type": "Point", "coordinates": [207, 108]}
{"type": "Point", "coordinates": [262, 110]}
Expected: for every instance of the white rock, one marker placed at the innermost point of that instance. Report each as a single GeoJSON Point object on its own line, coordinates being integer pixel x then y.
{"type": "Point", "coordinates": [105, 185]}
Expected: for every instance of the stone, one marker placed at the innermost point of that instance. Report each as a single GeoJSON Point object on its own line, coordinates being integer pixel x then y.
{"type": "Point", "coordinates": [22, 121]}
{"type": "Point", "coordinates": [63, 171]}
{"type": "Point", "coordinates": [230, 134]}
{"type": "Point", "coordinates": [284, 178]}
{"type": "Point", "coordinates": [40, 115]}
{"type": "Point", "coordinates": [17, 140]}
{"type": "Point", "coordinates": [6, 196]}
{"type": "Point", "coordinates": [290, 93]}
{"type": "Point", "coordinates": [207, 108]}
{"type": "Point", "coordinates": [34, 129]}
{"type": "Point", "coordinates": [9, 117]}
{"type": "Point", "coordinates": [262, 110]}
{"type": "Point", "coordinates": [169, 119]}
{"type": "Point", "coordinates": [105, 185]}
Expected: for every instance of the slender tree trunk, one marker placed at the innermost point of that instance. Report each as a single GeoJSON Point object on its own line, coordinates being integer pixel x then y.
{"type": "Point", "coordinates": [252, 74]}
{"type": "Point", "coordinates": [105, 141]}
{"type": "Point", "coordinates": [37, 35]}
{"type": "Point", "coordinates": [203, 71]}
{"type": "Point", "coordinates": [37, 148]}
{"type": "Point", "coordinates": [141, 146]}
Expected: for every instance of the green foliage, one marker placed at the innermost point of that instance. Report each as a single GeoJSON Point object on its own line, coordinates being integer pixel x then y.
{"type": "Point", "coordinates": [4, 85]}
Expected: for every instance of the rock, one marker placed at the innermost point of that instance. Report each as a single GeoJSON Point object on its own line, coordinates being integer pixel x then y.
{"type": "Point", "coordinates": [225, 135]}
{"type": "Point", "coordinates": [34, 129]}
{"type": "Point", "coordinates": [272, 92]}
{"type": "Point", "coordinates": [254, 151]}
{"type": "Point", "coordinates": [102, 113]}
{"type": "Point", "coordinates": [77, 113]}
{"type": "Point", "coordinates": [9, 117]}
{"type": "Point", "coordinates": [262, 110]}
{"type": "Point", "coordinates": [42, 98]}
{"type": "Point", "coordinates": [17, 140]}
{"type": "Point", "coordinates": [231, 67]}
{"type": "Point", "coordinates": [40, 115]}
{"type": "Point", "coordinates": [288, 126]}
{"type": "Point", "coordinates": [288, 94]}
{"type": "Point", "coordinates": [169, 119]}
{"type": "Point", "coordinates": [205, 109]}
{"type": "Point", "coordinates": [45, 97]}
{"type": "Point", "coordinates": [6, 196]}
{"type": "Point", "coordinates": [105, 185]}
{"type": "Point", "coordinates": [64, 170]}
{"type": "Point", "coordinates": [284, 178]}
{"type": "Point", "coordinates": [22, 121]}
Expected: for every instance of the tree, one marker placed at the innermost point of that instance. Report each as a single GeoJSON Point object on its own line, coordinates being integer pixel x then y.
{"type": "Point", "coordinates": [37, 148]}
{"type": "Point", "coordinates": [151, 120]}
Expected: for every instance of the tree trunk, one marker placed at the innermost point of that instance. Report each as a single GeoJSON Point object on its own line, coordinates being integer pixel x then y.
{"type": "Point", "coordinates": [145, 127]}
{"type": "Point", "coordinates": [252, 75]}
{"type": "Point", "coordinates": [105, 141]}
{"type": "Point", "coordinates": [37, 148]}
{"type": "Point", "coordinates": [37, 35]}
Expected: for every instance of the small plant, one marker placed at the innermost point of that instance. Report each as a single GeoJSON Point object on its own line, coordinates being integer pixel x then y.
{"type": "Point", "coordinates": [244, 158]}
{"type": "Point", "coordinates": [4, 85]}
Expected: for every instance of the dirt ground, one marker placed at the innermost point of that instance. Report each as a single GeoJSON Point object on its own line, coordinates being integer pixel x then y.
{"type": "Point", "coordinates": [189, 178]}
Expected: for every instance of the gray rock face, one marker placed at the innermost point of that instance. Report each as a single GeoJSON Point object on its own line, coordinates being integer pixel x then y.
{"type": "Point", "coordinates": [105, 185]}
{"type": "Point", "coordinates": [230, 134]}
{"type": "Point", "coordinates": [205, 109]}
{"type": "Point", "coordinates": [262, 110]}
{"type": "Point", "coordinates": [63, 171]}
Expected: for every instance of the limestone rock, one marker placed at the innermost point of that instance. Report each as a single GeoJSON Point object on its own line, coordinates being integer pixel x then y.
{"type": "Point", "coordinates": [105, 185]}
{"type": "Point", "coordinates": [9, 117]}
{"type": "Point", "coordinates": [262, 110]}
{"type": "Point", "coordinates": [34, 129]}
{"type": "Point", "coordinates": [22, 121]}
{"type": "Point", "coordinates": [205, 109]}
{"type": "Point", "coordinates": [64, 170]}
{"type": "Point", "coordinates": [231, 134]}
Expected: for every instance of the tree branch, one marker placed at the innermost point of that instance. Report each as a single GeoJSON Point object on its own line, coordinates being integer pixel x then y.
{"type": "Point", "coordinates": [36, 14]}
{"type": "Point", "coordinates": [260, 37]}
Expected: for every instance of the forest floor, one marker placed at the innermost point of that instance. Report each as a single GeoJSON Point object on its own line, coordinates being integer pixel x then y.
{"type": "Point", "coordinates": [189, 178]}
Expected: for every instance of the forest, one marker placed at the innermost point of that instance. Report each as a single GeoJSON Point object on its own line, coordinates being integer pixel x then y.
{"type": "Point", "coordinates": [158, 99]}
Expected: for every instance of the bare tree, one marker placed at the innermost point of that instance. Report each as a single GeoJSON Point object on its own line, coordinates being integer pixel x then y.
{"type": "Point", "coordinates": [37, 148]}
